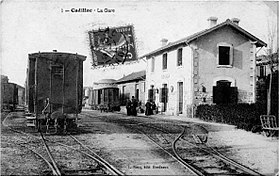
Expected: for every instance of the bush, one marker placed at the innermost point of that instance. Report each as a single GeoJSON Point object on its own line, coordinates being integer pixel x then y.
{"type": "Point", "coordinates": [244, 116]}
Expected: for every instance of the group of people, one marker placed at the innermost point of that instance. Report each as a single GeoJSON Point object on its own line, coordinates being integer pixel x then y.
{"type": "Point", "coordinates": [131, 106]}
{"type": "Point", "coordinates": [150, 108]}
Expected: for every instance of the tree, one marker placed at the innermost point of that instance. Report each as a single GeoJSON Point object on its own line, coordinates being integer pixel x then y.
{"type": "Point", "coordinates": [272, 38]}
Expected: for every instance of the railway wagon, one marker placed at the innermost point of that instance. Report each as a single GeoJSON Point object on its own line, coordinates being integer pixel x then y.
{"type": "Point", "coordinates": [55, 86]}
{"type": "Point", "coordinates": [9, 96]}
{"type": "Point", "coordinates": [105, 96]}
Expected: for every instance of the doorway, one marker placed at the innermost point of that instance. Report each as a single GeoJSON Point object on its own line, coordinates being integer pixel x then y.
{"type": "Point", "coordinates": [164, 97]}
{"type": "Point", "coordinates": [223, 93]}
{"type": "Point", "coordinates": [180, 99]}
{"type": "Point", "coordinates": [137, 92]}
{"type": "Point", "coordinates": [57, 87]}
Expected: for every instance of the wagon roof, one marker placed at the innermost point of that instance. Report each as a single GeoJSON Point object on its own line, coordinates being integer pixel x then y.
{"type": "Point", "coordinates": [62, 54]}
{"type": "Point", "coordinates": [188, 39]}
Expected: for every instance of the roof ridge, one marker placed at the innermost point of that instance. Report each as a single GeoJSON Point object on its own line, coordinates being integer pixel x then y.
{"type": "Point", "coordinates": [203, 32]}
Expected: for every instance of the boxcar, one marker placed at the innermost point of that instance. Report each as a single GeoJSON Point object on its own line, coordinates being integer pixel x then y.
{"type": "Point", "coordinates": [105, 96]}
{"type": "Point", "coordinates": [54, 83]}
{"type": "Point", "coordinates": [9, 96]}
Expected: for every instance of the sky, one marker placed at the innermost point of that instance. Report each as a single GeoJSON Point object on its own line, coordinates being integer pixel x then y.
{"type": "Point", "coordinates": [33, 26]}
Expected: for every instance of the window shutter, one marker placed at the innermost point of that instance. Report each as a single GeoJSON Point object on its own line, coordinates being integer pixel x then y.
{"type": "Point", "coordinates": [218, 56]}
{"type": "Point", "coordinates": [231, 55]}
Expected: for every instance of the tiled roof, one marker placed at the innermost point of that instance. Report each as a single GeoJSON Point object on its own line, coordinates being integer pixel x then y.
{"type": "Point", "coordinates": [259, 43]}
{"type": "Point", "coordinates": [105, 81]}
{"type": "Point", "coordinates": [21, 87]}
{"type": "Point", "coordinates": [140, 75]}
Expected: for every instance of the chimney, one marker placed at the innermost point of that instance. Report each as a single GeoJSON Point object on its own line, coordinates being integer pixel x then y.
{"type": "Point", "coordinates": [235, 21]}
{"type": "Point", "coordinates": [164, 42]}
{"type": "Point", "coordinates": [212, 21]}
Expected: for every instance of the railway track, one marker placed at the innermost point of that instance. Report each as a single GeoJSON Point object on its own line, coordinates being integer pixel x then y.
{"type": "Point", "coordinates": [200, 159]}
{"type": "Point", "coordinates": [210, 161]}
{"type": "Point", "coordinates": [166, 146]}
{"type": "Point", "coordinates": [94, 163]}
{"type": "Point", "coordinates": [31, 143]}
{"type": "Point", "coordinates": [171, 151]}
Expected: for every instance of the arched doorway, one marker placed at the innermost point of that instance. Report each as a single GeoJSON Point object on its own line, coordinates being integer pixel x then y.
{"type": "Point", "coordinates": [223, 93]}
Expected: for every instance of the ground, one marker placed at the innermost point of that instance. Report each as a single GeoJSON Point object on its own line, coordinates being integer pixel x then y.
{"type": "Point", "coordinates": [134, 154]}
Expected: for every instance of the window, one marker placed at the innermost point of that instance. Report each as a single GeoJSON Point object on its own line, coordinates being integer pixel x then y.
{"type": "Point", "coordinates": [164, 61]}
{"type": "Point", "coordinates": [153, 64]}
{"type": "Point", "coordinates": [225, 55]}
{"type": "Point", "coordinates": [179, 57]}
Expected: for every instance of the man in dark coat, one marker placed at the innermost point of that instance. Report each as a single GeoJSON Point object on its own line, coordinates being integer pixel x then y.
{"type": "Point", "coordinates": [134, 105]}
{"type": "Point", "coordinates": [128, 107]}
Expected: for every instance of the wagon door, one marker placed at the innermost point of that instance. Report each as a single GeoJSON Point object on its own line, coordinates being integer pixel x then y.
{"type": "Point", "coordinates": [56, 87]}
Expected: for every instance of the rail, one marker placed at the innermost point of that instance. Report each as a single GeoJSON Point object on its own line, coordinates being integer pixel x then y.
{"type": "Point", "coordinates": [56, 171]}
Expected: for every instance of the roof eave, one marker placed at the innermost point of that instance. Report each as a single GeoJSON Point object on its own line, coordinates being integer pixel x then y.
{"type": "Point", "coordinates": [124, 81]}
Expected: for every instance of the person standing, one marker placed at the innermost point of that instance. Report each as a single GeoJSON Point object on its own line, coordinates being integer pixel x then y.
{"type": "Point", "coordinates": [128, 107]}
{"type": "Point", "coordinates": [148, 110]}
{"type": "Point", "coordinates": [134, 105]}
{"type": "Point", "coordinates": [153, 107]}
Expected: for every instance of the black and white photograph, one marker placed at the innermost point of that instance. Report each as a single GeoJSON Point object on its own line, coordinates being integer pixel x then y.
{"type": "Point", "coordinates": [139, 88]}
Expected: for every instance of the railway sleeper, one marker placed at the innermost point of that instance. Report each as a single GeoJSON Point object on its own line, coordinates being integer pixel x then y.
{"type": "Point", "coordinates": [67, 172]}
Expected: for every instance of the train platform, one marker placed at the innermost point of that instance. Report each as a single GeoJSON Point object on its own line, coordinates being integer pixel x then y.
{"type": "Point", "coordinates": [179, 118]}
{"type": "Point", "coordinates": [254, 149]}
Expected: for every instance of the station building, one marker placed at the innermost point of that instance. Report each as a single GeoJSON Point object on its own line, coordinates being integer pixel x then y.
{"type": "Point", "coordinates": [132, 84]}
{"type": "Point", "coordinates": [213, 66]}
